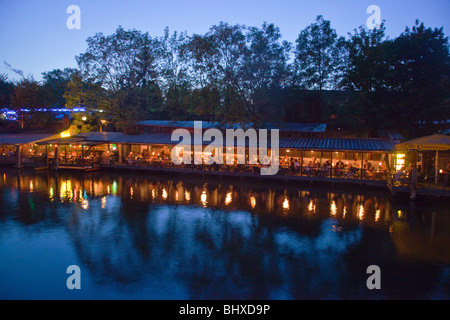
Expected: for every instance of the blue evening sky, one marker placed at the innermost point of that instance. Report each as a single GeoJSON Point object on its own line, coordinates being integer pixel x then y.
{"type": "Point", "coordinates": [34, 37]}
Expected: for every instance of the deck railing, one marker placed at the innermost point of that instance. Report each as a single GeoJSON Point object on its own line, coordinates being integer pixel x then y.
{"type": "Point", "coordinates": [302, 171]}
{"type": "Point", "coordinates": [424, 182]}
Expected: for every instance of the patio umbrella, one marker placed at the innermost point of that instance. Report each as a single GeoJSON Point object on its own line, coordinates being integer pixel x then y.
{"type": "Point", "coordinates": [435, 142]}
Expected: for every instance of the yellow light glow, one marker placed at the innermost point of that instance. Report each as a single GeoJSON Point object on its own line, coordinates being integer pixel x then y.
{"type": "Point", "coordinates": [286, 204]}
{"type": "Point", "coordinates": [65, 134]}
{"type": "Point", "coordinates": [85, 204]}
{"type": "Point", "coordinates": [187, 195]}
{"type": "Point", "coordinates": [360, 212]}
{"type": "Point", "coordinates": [252, 202]}
{"type": "Point", "coordinates": [228, 198]}
{"type": "Point", "coordinates": [104, 202]}
{"type": "Point", "coordinates": [66, 190]}
{"type": "Point", "coordinates": [311, 207]}
{"type": "Point", "coordinates": [164, 194]}
{"type": "Point", "coordinates": [377, 215]}
{"type": "Point", "coordinates": [333, 208]}
{"type": "Point", "coordinates": [204, 198]}
{"type": "Point", "coordinates": [400, 161]}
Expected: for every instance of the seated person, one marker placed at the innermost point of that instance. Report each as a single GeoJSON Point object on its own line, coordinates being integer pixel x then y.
{"type": "Point", "coordinates": [370, 173]}
{"type": "Point", "coordinates": [399, 174]}
{"type": "Point", "coordinates": [351, 171]}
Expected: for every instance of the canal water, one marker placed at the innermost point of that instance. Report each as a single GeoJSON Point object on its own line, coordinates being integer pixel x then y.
{"type": "Point", "coordinates": [141, 236]}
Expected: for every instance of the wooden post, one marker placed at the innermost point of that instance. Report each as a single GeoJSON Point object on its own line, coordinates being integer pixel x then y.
{"type": "Point", "coordinates": [56, 158]}
{"type": "Point", "coordinates": [413, 178]}
{"type": "Point", "coordinates": [46, 152]}
{"type": "Point", "coordinates": [331, 167]}
{"type": "Point", "coordinates": [436, 169]}
{"type": "Point", "coordinates": [301, 163]}
{"type": "Point", "coordinates": [19, 156]}
{"type": "Point", "coordinates": [121, 153]}
{"type": "Point", "coordinates": [362, 164]}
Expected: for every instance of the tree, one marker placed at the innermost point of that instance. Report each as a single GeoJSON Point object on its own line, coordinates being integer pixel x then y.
{"type": "Point", "coordinates": [367, 63]}
{"type": "Point", "coordinates": [401, 82]}
{"type": "Point", "coordinates": [265, 72]}
{"type": "Point", "coordinates": [420, 77]}
{"type": "Point", "coordinates": [174, 76]}
{"type": "Point", "coordinates": [54, 86]}
{"type": "Point", "coordinates": [367, 73]}
{"type": "Point", "coordinates": [6, 91]}
{"type": "Point", "coordinates": [91, 97]}
{"type": "Point", "coordinates": [124, 64]}
{"type": "Point", "coordinates": [28, 103]}
{"type": "Point", "coordinates": [317, 56]}
{"type": "Point", "coordinates": [218, 58]}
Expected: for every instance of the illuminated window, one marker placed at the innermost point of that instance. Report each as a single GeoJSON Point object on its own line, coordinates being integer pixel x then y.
{"type": "Point", "coordinates": [400, 161]}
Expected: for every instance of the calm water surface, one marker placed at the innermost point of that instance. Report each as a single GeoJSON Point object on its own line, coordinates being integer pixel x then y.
{"type": "Point", "coordinates": [137, 236]}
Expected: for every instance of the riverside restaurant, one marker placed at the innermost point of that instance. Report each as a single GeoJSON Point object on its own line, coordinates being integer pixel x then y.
{"type": "Point", "coordinates": [313, 158]}
{"type": "Point", "coordinates": [305, 154]}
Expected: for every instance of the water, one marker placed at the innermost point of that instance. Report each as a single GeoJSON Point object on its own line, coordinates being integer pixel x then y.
{"type": "Point", "coordinates": [138, 236]}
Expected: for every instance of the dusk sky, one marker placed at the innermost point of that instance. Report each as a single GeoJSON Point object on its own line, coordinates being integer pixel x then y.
{"type": "Point", "coordinates": [35, 38]}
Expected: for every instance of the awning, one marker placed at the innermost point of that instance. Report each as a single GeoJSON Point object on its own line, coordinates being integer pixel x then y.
{"type": "Point", "coordinates": [320, 144]}
{"type": "Point", "coordinates": [338, 144]}
{"type": "Point", "coordinates": [20, 139]}
{"type": "Point", "coordinates": [70, 141]}
{"type": "Point", "coordinates": [435, 142]}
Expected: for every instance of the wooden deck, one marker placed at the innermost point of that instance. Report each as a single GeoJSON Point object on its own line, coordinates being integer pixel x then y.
{"type": "Point", "coordinates": [422, 190]}
{"type": "Point", "coordinates": [70, 168]}
{"type": "Point", "coordinates": [247, 175]}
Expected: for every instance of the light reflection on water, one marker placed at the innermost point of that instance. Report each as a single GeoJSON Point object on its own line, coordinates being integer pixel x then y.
{"type": "Point", "coordinates": [143, 237]}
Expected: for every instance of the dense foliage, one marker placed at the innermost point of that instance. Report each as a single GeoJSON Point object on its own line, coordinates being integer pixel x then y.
{"type": "Point", "coordinates": [236, 74]}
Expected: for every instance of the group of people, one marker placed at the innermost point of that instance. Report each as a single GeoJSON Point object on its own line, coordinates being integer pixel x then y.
{"type": "Point", "coordinates": [146, 156]}
{"type": "Point", "coordinates": [9, 153]}
{"type": "Point", "coordinates": [340, 169]}
{"type": "Point", "coordinates": [404, 174]}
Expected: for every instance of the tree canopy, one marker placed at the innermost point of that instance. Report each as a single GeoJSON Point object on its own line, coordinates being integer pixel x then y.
{"type": "Point", "coordinates": [247, 74]}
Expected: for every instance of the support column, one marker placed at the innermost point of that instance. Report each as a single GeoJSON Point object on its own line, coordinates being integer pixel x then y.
{"type": "Point", "coordinates": [362, 164]}
{"type": "Point", "coordinates": [436, 170]}
{"type": "Point", "coordinates": [413, 178]}
{"type": "Point", "coordinates": [331, 168]}
{"type": "Point", "coordinates": [121, 153]}
{"type": "Point", "coordinates": [301, 163]}
{"type": "Point", "coordinates": [19, 156]}
{"type": "Point", "coordinates": [56, 158]}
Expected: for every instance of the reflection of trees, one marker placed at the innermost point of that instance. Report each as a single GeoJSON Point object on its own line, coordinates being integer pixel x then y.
{"type": "Point", "coordinates": [214, 240]}
{"type": "Point", "coordinates": [215, 254]}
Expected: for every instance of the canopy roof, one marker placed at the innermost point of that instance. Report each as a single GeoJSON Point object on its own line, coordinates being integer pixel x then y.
{"type": "Point", "coordinates": [19, 138]}
{"type": "Point", "coordinates": [338, 144]}
{"type": "Point", "coordinates": [434, 142]}
{"type": "Point", "coordinates": [324, 144]}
